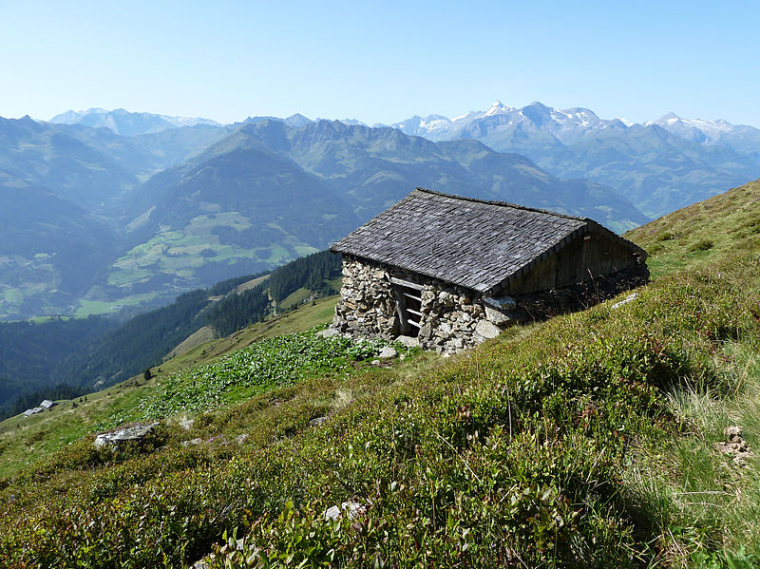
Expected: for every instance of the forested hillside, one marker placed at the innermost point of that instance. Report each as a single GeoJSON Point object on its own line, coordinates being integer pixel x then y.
{"type": "Point", "coordinates": [73, 356]}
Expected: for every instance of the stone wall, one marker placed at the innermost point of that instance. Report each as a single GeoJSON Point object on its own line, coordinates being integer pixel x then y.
{"type": "Point", "coordinates": [451, 317]}
{"type": "Point", "coordinates": [366, 306]}
{"type": "Point", "coordinates": [454, 318]}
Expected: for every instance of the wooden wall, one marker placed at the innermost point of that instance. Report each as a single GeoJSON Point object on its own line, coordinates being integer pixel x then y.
{"type": "Point", "coordinates": [592, 254]}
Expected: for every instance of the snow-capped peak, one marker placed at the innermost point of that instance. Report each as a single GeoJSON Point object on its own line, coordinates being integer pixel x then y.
{"type": "Point", "coordinates": [668, 118]}
{"type": "Point", "coordinates": [497, 108]}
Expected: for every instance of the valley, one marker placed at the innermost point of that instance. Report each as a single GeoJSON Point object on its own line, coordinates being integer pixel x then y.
{"type": "Point", "coordinates": [164, 207]}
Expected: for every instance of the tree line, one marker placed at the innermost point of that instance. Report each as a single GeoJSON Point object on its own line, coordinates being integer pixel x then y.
{"type": "Point", "coordinates": [64, 358]}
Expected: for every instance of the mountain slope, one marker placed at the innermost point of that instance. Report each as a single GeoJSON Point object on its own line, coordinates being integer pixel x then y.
{"type": "Point", "coordinates": [96, 352]}
{"type": "Point", "coordinates": [46, 156]}
{"type": "Point", "coordinates": [375, 167]}
{"type": "Point", "coordinates": [48, 249]}
{"type": "Point", "coordinates": [237, 208]}
{"type": "Point", "coordinates": [705, 232]}
{"type": "Point", "coordinates": [591, 440]}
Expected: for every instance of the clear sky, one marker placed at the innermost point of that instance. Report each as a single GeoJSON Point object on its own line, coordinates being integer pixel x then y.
{"type": "Point", "coordinates": [380, 61]}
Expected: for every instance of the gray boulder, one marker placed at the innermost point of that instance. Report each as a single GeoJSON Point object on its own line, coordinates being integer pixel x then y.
{"type": "Point", "coordinates": [387, 353]}
{"type": "Point", "coordinates": [130, 434]}
{"type": "Point", "coordinates": [487, 329]}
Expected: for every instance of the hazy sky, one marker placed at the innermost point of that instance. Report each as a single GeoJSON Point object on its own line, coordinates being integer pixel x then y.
{"type": "Point", "coordinates": [380, 61]}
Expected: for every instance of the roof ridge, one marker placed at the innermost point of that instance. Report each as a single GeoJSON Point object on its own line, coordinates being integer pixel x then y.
{"type": "Point", "coordinates": [503, 204]}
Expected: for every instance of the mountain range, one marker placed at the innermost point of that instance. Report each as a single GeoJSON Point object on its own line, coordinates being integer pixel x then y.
{"type": "Point", "coordinates": [107, 210]}
{"type": "Point", "coordinates": [99, 221]}
{"type": "Point", "coordinates": [659, 166]}
{"type": "Point", "coordinates": [121, 121]}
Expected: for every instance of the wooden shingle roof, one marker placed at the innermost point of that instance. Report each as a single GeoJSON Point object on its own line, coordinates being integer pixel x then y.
{"type": "Point", "coordinates": [463, 241]}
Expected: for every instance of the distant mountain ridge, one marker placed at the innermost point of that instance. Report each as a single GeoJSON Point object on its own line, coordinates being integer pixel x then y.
{"type": "Point", "coordinates": [127, 123]}
{"type": "Point", "coordinates": [659, 165]}
{"type": "Point", "coordinates": [136, 220]}
{"type": "Point", "coordinates": [567, 125]}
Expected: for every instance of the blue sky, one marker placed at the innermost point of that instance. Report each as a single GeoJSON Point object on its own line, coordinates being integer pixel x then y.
{"type": "Point", "coordinates": [380, 61]}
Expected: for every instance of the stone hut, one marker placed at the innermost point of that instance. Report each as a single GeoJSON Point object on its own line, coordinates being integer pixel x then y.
{"type": "Point", "coordinates": [454, 271]}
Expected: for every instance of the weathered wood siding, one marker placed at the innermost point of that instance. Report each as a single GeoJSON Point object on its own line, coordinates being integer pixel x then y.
{"type": "Point", "coordinates": [575, 262]}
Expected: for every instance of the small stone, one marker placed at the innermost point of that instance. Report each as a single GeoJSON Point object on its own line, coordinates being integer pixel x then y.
{"type": "Point", "coordinates": [351, 508]}
{"type": "Point", "coordinates": [387, 353]}
{"type": "Point", "coordinates": [375, 362]}
{"type": "Point", "coordinates": [327, 333]}
{"type": "Point", "coordinates": [316, 422]}
{"type": "Point", "coordinates": [408, 341]}
{"type": "Point", "coordinates": [240, 439]}
{"type": "Point", "coordinates": [332, 513]}
{"type": "Point", "coordinates": [496, 316]}
{"type": "Point", "coordinates": [192, 442]}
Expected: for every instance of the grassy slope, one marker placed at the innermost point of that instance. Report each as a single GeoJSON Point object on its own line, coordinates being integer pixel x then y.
{"type": "Point", "coordinates": [701, 487]}
{"type": "Point", "coordinates": [703, 233]}
{"type": "Point", "coordinates": [584, 441]}
{"type": "Point", "coordinates": [24, 441]}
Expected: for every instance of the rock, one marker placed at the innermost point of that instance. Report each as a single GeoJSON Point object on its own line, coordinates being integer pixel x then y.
{"type": "Point", "coordinates": [351, 508]}
{"type": "Point", "coordinates": [133, 433]}
{"type": "Point", "coordinates": [487, 329]}
{"type": "Point", "coordinates": [191, 442]}
{"type": "Point", "coordinates": [375, 362]}
{"type": "Point", "coordinates": [240, 439]}
{"type": "Point", "coordinates": [186, 423]}
{"type": "Point", "coordinates": [327, 333]}
{"type": "Point", "coordinates": [733, 433]}
{"type": "Point", "coordinates": [408, 341]}
{"type": "Point", "coordinates": [496, 316]}
{"type": "Point", "coordinates": [317, 421]}
{"type": "Point", "coordinates": [735, 445]}
{"type": "Point", "coordinates": [630, 298]}
{"type": "Point", "coordinates": [387, 353]}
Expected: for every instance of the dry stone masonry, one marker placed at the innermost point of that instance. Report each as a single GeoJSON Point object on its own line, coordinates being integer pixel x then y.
{"type": "Point", "coordinates": [452, 320]}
